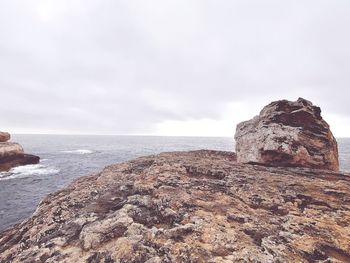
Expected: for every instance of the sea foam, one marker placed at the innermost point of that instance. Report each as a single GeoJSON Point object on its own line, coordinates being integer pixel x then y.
{"type": "Point", "coordinates": [28, 170]}
{"type": "Point", "coordinates": [79, 151]}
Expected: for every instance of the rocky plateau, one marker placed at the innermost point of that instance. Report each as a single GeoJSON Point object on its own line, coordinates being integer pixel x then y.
{"type": "Point", "coordinates": [199, 206]}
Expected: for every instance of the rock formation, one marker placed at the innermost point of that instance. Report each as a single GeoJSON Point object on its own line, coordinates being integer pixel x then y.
{"type": "Point", "coordinates": [288, 133]}
{"type": "Point", "coordinates": [4, 136]}
{"type": "Point", "coordinates": [197, 206]}
{"type": "Point", "coordinates": [12, 154]}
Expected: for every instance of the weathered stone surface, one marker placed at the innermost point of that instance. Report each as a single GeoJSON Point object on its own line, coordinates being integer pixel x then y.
{"type": "Point", "coordinates": [4, 136]}
{"type": "Point", "coordinates": [287, 133]}
{"type": "Point", "coordinates": [196, 206]}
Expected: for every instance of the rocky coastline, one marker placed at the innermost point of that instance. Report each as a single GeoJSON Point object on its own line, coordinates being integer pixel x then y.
{"type": "Point", "coordinates": [264, 203]}
{"type": "Point", "coordinates": [12, 154]}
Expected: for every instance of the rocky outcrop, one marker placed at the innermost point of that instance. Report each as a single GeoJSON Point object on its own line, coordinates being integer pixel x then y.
{"type": "Point", "coordinates": [10, 149]}
{"type": "Point", "coordinates": [197, 206]}
{"type": "Point", "coordinates": [6, 163]}
{"type": "Point", "coordinates": [4, 136]}
{"type": "Point", "coordinates": [287, 133]}
{"type": "Point", "coordinates": [12, 155]}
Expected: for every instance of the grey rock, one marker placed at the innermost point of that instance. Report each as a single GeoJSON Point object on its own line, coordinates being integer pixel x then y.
{"type": "Point", "coordinates": [287, 133]}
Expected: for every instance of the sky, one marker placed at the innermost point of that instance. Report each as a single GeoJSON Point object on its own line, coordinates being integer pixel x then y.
{"type": "Point", "coordinates": [161, 67]}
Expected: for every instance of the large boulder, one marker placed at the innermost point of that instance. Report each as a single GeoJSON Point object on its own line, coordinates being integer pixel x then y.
{"type": "Point", "coordinates": [287, 133]}
{"type": "Point", "coordinates": [4, 136]}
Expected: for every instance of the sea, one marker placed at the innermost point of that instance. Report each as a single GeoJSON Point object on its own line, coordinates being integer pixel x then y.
{"type": "Point", "coordinates": [67, 157]}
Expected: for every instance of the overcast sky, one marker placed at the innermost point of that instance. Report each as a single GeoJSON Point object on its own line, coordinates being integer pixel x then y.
{"type": "Point", "coordinates": [179, 67]}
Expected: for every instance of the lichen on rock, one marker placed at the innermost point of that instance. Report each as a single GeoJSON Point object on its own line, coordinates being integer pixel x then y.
{"type": "Point", "coordinates": [198, 206]}
{"type": "Point", "coordinates": [287, 133]}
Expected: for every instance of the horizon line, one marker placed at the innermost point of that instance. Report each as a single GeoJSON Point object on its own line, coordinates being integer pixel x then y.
{"type": "Point", "coordinates": [144, 135]}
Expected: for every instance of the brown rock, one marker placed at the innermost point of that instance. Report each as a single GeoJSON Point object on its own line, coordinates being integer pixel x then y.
{"type": "Point", "coordinates": [4, 136]}
{"type": "Point", "coordinates": [287, 133]}
{"type": "Point", "coordinates": [9, 162]}
{"type": "Point", "coordinates": [10, 149]}
{"type": "Point", "coordinates": [12, 155]}
{"type": "Point", "coordinates": [196, 206]}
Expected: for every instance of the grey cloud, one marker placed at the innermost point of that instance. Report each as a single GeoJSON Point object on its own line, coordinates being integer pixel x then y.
{"type": "Point", "coordinates": [125, 66]}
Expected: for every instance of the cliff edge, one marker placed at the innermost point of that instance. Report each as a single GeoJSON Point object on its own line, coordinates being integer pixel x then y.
{"type": "Point", "coordinates": [198, 206]}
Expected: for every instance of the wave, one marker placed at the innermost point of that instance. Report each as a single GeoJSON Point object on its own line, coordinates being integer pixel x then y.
{"type": "Point", "coordinates": [28, 170]}
{"type": "Point", "coordinates": [79, 151]}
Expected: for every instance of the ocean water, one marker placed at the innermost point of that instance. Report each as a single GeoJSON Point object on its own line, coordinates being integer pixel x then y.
{"type": "Point", "coordinates": [66, 157]}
